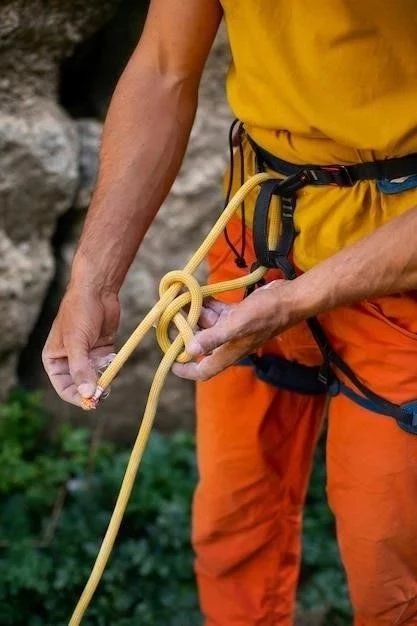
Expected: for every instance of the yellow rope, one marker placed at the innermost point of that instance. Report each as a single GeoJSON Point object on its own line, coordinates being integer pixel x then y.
{"type": "Point", "coordinates": [165, 311]}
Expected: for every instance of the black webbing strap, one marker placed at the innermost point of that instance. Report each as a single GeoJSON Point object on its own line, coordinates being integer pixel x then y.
{"type": "Point", "coordinates": [332, 358]}
{"type": "Point", "coordinates": [277, 258]}
{"type": "Point", "coordinates": [284, 374]}
{"type": "Point", "coordinates": [340, 175]}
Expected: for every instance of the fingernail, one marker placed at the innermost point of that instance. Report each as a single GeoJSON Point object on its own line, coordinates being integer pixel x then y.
{"type": "Point", "coordinates": [86, 390]}
{"type": "Point", "coordinates": [194, 348]}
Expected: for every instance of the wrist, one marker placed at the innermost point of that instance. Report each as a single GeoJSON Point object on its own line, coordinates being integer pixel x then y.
{"type": "Point", "coordinates": [301, 298]}
{"type": "Point", "coordinates": [315, 292]}
{"type": "Point", "coordinates": [93, 275]}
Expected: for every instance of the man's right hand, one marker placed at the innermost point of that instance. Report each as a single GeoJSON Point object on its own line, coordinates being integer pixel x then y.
{"type": "Point", "coordinates": [144, 139]}
{"type": "Point", "coordinates": [82, 334]}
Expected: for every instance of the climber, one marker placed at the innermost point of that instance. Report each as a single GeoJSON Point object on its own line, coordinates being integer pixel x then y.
{"type": "Point", "coordinates": [335, 88]}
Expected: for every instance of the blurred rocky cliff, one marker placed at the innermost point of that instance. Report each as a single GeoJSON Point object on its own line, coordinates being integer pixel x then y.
{"type": "Point", "coordinates": [59, 60]}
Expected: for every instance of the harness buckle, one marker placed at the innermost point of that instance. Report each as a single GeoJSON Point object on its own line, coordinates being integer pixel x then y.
{"type": "Point", "coordinates": [339, 175]}
{"type": "Point", "coordinates": [287, 187]}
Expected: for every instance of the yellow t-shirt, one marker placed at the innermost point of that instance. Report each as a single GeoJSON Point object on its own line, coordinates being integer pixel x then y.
{"type": "Point", "coordinates": [328, 81]}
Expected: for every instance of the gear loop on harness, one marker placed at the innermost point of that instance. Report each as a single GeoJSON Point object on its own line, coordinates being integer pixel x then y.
{"type": "Point", "coordinates": [276, 257]}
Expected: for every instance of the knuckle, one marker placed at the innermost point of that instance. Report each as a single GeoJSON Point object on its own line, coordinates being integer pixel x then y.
{"type": "Point", "coordinates": [61, 394]}
{"type": "Point", "coordinates": [73, 336]}
{"type": "Point", "coordinates": [209, 343]}
{"type": "Point", "coordinates": [77, 373]}
{"type": "Point", "coordinates": [45, 356]}
{"type": "Point", "coordinates": [59, 388]}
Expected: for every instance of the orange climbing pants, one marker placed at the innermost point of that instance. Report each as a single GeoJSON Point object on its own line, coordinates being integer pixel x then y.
{"type": "Point", "coordinates": [255, 449]}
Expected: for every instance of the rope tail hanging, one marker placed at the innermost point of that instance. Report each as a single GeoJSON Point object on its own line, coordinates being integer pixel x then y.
{"type": "Point", "coordinates": [166, 310]}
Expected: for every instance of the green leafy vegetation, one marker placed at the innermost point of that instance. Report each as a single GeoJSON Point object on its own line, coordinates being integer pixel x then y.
{"type": "Point", "coordinates": [57, 496]}
{"type": "Point", "coordinates": [323, 582]}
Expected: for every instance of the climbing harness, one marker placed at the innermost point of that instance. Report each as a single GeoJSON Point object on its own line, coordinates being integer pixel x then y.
{"type": "Point", "coordinates": [273, 239]}
{"type": "Point", "coordinates": [286, 189]}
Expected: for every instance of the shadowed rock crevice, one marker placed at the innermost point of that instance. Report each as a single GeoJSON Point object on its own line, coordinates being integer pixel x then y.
{"type": "Point", "coordinates": [35, 36]}
{"type": "Point", "coordinates": [88, 77]}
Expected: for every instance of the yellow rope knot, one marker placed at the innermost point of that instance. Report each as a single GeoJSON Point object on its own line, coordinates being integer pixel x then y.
{"type": "Point", "coordinates": [173, 312]}
{"type": "Point", "coordinates": [166, 310]}
{"type": "Point", "coordinates": [169, 308]}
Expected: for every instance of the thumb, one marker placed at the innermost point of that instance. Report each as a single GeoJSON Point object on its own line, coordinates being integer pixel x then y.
{"type": "Point", "coordinates": [205, 341]}
{"type": "Point", "coordinates": [80, 366]}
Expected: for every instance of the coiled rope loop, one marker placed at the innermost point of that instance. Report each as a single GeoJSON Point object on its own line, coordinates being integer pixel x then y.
{"type": "Point", "coordinates": [173, 312]}
{"type": "Point", "coordinates": [165, 311]}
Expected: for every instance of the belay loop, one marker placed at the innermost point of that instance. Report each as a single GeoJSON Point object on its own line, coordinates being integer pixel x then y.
{"type": "Point", "coordinates": [286, 189]}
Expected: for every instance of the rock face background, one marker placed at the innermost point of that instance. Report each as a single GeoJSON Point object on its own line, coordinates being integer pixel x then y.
{"type": "Point", "coordinates": [39, 154]}
{"type": "Point", "coordinates": [58, 64]}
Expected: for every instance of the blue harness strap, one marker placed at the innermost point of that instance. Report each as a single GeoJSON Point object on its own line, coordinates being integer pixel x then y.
{"type": "Point", "coordinates": [292, 376]}
{"type": "Point", "coordinates": [407, 420]}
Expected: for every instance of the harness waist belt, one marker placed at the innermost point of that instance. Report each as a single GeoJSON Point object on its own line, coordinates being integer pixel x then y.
{"type": "Point", "coordinates": [340, 175]}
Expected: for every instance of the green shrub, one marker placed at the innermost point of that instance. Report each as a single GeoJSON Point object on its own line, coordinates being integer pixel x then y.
{"type": "Point", "coordinates": [57, 497]}
{"type": "Point", "coordinates": [323, 582]}
{"type": "Point", "coordinates": [149, 580]}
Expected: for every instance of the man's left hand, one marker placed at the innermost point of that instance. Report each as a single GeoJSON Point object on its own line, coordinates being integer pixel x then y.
{"type": "Point", "coordinates": [232, 331]}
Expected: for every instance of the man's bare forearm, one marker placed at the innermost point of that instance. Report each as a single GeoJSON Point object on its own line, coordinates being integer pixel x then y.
{"type": "Point", "coordinates": [381, 264]}
{"type": "Point", "coordinates": [145, 136]}
{"type": "Point", "coordinates": [144, 139]}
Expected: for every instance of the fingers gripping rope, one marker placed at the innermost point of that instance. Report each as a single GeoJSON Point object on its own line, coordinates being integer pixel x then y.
{"type": "Point", "coordinates": [166, 311]}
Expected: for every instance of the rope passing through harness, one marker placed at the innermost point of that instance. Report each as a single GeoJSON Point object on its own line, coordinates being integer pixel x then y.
{"type": "Point", "coordinates": [166, 310]}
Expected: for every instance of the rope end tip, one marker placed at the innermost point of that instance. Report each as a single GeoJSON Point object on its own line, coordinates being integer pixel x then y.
{"type": "Point", "coordinates": [89, 404]}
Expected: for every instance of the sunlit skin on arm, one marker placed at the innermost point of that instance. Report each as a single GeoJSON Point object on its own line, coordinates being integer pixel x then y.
{"type": "Point", "coordinates": [145, 135]}
{"type": "Point", "coordinates": [381, 264]}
